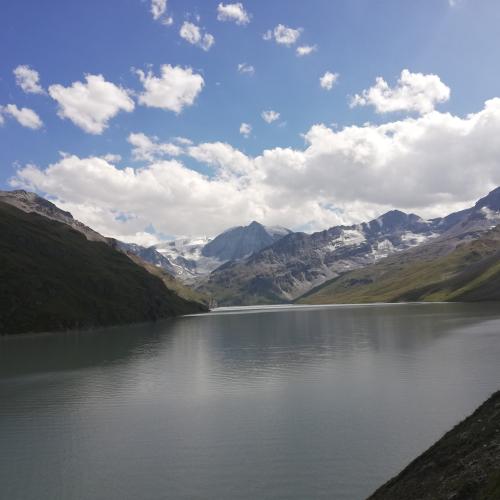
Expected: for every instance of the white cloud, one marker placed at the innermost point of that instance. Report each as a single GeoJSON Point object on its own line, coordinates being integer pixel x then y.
{"type": "Point", "coordinates": [413, 92]}
{"type": "Point", "coordinates": [91, 105]}
{"type": "Point", "coordinates": [270, 116]}
{"type": "Point", "coordinates": [193, 34]}
{"type": "Point", "coordinates": [148, 148]}
{"type": "Point", "coordinates": [283, 35]}
{"type": "Point", "coordinates": [184, 141]}
{"type": "Point", "coordinates": [228, 160]}
{"type": "Point", "coordinates": [24, 116]}
{"type": "Point", "coordinates": [112, 158]}
{"type": "Point", "coordinates": [158, 10]}
{"type": "Point", "coordinates": [233, 12]}
{"type": "Point", "coordinates": [245, 68]}
{"type": "Point", "coordinates": [175, 89]}
{"type": "Point", "coordinates": [305, 50]}
{"type": "Point", "coordinates": [328, 80]}
{"type": "Point", "coordinates": [245, 129]}
{"type": "Point", "coordinates": [340, 176]}
{"type": "Point", "coordinates": [28, 79]}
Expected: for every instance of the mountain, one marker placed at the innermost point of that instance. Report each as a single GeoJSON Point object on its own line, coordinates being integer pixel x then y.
{"type": "Point", "coordinates": [301, 262]}
{"type": "Point", "coordinates": [186, 255]}
{"type": "Point", "coordinates": [147, 254]}
{"type": "Point", "coordinates": [32, 203]}
{"type": "Point", "coordinates": [463, 465]}
{"type": "Point", "coordinates": [53, 278]}
{"type": "Point", "coordinates": [448, 269]}
{"type": "Point", "coordinates": [297, 262]}
{"type": "Point", "coordinates": [461, 264]}
{"type": "Point", "coordinates": [199, 257]}
{"type": "Point", "coordinates": [240, 242]}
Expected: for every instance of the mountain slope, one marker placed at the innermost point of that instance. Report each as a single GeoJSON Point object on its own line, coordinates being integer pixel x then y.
{"type": "Point", "coordinates": [463, 465]}
{"type": "Point", "coordinates": [53, 278]}
{"type": "Point", "coordinates": [448, 269]}
{"type": "Point", "coordinates": [32, 203]}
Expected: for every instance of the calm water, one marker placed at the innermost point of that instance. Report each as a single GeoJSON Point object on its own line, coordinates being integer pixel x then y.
{"type": "Point", "coordinates": [302, 404]}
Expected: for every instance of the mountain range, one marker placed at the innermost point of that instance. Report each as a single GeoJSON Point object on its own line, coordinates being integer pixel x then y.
{"type": "Point", "coordinates": [297, 263]}
{"type": "Point", "coordinates": [395, 257]}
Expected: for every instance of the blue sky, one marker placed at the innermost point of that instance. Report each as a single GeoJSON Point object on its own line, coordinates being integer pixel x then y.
{"type": "Point", "coordinates": [359, 40]}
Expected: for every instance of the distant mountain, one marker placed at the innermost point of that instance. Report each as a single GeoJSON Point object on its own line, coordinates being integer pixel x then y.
{"type": "Point", "coordinates": [297, 262]}
{"type": "Point", "coordinates": [447, 269]}
{"type": "Point", "coordinates": [53, 278]}
{"type": "Point", "coordinates": [147, 254]}
{"type": "Point", "coordinates": [300, 262]}
{"type": "Point", "coordinates": [199, 257]}
{"type": "Point", "coordinates": [242, 241]}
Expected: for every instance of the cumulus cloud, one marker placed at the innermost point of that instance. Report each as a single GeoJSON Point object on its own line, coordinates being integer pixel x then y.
{"type": "Point", "coordinates": [328, 80]}
{"type": "Point", "coordinates": [340, 176]}
{"type": "Point", "coordinates": [112, 158]}
{"type": "Point", "coordinates": [245, 129]}
{"type": "Point", "coordinates": [173, 90]}
{"type": "Point", "coordinates": [148, 148]}
{"type": "Point", "coordinates": [283, 35]}
{"type": "Point", "coordinates": [245, 68]}
{"type": "Point", "coordinates": [305, 50]}
{"type": "Point", "coordinates": [413, 92]}
{"type": "Point", "coordinates": [270, 116]}
{"type": "Point", "coordinates": [159, 10]}
{"type": "Point", "coordinates": [91, 105]}
{"type": "Point", "coordinates": [28, 79]}
{"type": "Point", "coordinates": [24, 116]}
{"type": "Point", "coordinates": [194, 35]}
{"type": "Point", "coordinates": [233, 12]}
{"type": "Point", "coordinates": [228, 160]}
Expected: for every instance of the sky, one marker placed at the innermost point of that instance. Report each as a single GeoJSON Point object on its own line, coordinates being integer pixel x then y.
{"type": "Point", "coordinates": [154, 119]}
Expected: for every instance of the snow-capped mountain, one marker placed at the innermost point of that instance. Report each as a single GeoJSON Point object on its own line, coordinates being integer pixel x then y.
{"type": "Point", "coordinates": [299, 262]}
{"type": "Point", "coordinates": [239, 242]}
{"type": "Point", "coordinates": [198, 257]}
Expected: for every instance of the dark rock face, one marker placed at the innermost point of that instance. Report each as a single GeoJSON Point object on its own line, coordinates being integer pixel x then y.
{"type": "Point", "coordinates": [239, 242]}
{"type": "Point", "coordinates": [463, 465]}
{"type": "Point", "coordinates": [491, 201]}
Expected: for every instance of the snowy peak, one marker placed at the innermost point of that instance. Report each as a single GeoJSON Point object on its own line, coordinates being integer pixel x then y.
{"type": "Point", "coordinates": [240, 242]}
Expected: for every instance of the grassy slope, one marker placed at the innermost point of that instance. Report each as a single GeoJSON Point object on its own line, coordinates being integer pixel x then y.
{"type": "Point", "coordinates": [463, 465]}
{"type": "Point", "coordinates": [52, 278]}
{"type": "Point", "coordinates": [470, 272]}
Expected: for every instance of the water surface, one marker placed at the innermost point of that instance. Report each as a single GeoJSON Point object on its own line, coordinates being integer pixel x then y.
{"type": "Point", "coordinates": [281, 403]}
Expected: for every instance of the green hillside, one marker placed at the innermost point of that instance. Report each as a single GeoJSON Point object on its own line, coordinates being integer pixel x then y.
{"type": "Point", "coordinates": [53, 278]}
{"type": "Point", "coordinates": [438, 271]}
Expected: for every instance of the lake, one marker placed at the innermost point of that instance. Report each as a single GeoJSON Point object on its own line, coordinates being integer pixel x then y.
{"type": "Point", "coordinates": [274, 403]}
